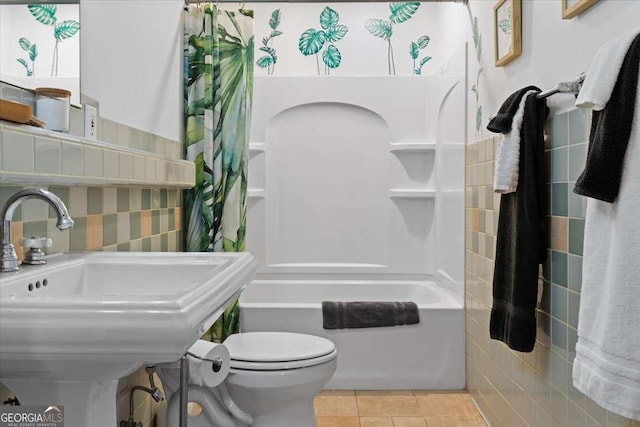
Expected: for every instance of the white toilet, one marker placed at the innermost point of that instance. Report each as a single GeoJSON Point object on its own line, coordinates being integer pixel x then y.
{"type": "Point", "coordinates": [274, 377]}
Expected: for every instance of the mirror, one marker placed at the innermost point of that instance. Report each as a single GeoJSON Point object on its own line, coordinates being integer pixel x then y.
{"type": "Point", "coordinates": [40, 46]}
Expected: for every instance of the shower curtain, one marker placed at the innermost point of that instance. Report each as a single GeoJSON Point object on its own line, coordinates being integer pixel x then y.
{"type": "Point", "coordinates": [218, 89]}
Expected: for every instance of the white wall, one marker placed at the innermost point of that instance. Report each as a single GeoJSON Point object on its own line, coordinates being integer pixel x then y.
{"type": "Point", "coordinates": [553, 50]}
{"type": "Point", "coordinates": [16, 22]}
{"type": "Point", "coordinates": [132, 62]}
{"type": "Point", "coordinates": [132, 51]}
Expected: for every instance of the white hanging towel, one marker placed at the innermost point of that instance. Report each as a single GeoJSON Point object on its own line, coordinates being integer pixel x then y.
{"type": "Point", "coordinates": [607, 363]}
{"type": "Point", "coordinates": [507, 163]}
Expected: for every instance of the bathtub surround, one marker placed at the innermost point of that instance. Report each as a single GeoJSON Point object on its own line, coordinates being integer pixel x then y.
{"type": "Point", "coordinates": [358, 197]}
{"type": "Point", "coordinates": [302, 122]}
{"type": "Point", "coordinates": [608, 350]}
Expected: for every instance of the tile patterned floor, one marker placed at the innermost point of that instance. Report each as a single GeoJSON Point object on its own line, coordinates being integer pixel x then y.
{"type": "Point", "coordinates": [391, 408]}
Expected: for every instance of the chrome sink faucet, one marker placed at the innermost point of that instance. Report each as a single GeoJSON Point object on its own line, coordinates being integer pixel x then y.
{"type": "Point", "coordinates": [8, 256]}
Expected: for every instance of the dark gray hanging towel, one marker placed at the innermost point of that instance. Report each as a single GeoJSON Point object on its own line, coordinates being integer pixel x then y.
{"type": "Point", "coordinates": [522, 235]}
{"type": "Point", "coordinates": [368, 314]}
{"type": "Point", "coordinates": [610, 133]}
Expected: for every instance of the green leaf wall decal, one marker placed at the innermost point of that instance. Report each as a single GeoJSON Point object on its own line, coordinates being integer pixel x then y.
{"type": "Point", "coordinates": [311, 41]}
{"type": "Point", "coordinates": [24, 43]}
{"type": "Point", "coordinates": [379, 28]}
{"type": "Point", "coordinates": [33, 52]}
{"type": "Point", "coordinates": [24, 62]}
{"type": "Point", "coordinates": [269, 62]}
{"type": "Point", "coordinates": [265, 62]}
{"type": "Point", "coordinates": [271, 52]}
{"type": "Point", "coordinates": [424, 60]}
{"type": "Point", "coordinates": [413, 50]}
{"type": "Point", "coordinates": [66, 29]}
{"type": "Point", "coordinates": [44, 13]}
{"type": "Point", "coordinates": [336, 33]}
{"type": "Point", "coordinates": [328, 18]}
{"type": "Point", "coordinates": [275, 19]}
{"type": "Point", "coordinates": [423, 41]}
{"type": "Point", "coordinates": [401, 12]}
{"type": "Point", "coordinates": [332, 57]}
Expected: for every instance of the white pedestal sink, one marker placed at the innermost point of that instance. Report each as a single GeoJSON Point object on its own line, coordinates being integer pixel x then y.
{"type": "Point", "coordinates": [71, 328]}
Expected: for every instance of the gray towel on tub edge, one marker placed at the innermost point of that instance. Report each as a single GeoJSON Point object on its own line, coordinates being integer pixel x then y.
{"type": "Point", "coordinates": [364, 314]}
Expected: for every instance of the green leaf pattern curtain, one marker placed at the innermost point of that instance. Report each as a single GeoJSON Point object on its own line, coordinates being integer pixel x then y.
{"type": "Point", "coordinates": [218, 60]}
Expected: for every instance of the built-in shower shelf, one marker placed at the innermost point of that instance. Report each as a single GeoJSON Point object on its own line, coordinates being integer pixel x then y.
{"type": "Point", "coordinates": [411, 194]}
{"type": "Point", "coordinates": [257, 146]}
{"type": "Point", "coordinates": [257, 193]}
{"type": "Point", "coordinates": [408, 147]}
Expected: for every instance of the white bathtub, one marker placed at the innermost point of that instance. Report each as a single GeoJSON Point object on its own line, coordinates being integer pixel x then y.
{"type": "Point", "coordinates": [429, 355]}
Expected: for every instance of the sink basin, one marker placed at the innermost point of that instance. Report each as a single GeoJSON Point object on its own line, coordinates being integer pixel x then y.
{"type": "Point", "coordinates": [84, 320]}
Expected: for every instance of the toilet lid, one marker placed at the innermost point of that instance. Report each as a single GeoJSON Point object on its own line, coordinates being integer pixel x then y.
{"type": "Point", "coordinates": [277, 347]}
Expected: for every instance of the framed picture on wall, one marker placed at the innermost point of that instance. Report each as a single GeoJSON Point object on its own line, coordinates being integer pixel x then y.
{"type": "Point", "coordinates": [571, 8]}
{"type": "Point", "coordinates": [507, 29]}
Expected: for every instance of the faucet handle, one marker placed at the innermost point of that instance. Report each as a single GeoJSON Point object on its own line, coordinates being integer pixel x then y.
{"type": "Point", "coordinates": [36, 242]}
{"type": "Point", "coordinates": [35, 256]}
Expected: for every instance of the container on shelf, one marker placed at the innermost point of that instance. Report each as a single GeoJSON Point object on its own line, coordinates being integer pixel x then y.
{"type": "Point", "coordinates": [52, 107]}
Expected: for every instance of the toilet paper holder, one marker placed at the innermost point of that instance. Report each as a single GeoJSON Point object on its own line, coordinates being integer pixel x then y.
{"type": "Point", "coordinates": [216, 365]}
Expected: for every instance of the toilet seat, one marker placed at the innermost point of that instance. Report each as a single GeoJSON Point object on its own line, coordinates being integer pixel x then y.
{"type": "Point", "coordinates": [274, 351]}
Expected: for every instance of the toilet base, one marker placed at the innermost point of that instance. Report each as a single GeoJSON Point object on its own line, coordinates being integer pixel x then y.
{"type": "Point", "coordinates": [279, 398]}
{"type": "Point", "coordinates": [299, 414]}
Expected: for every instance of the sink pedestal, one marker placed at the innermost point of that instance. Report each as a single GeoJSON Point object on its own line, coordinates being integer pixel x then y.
{"type": "Point", "coordinates": [86, 403]}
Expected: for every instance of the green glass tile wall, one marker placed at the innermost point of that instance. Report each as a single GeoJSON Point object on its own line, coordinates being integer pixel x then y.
{"type": "Point", "coordinates": [531, 389]}
{"type": "Point", "coordinates": [104, 219]}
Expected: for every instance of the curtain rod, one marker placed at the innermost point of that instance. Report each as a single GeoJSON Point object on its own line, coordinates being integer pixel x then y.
{"type": "Point", "coordinates": [26, 2]}
{"type": "Point", "coordinates": [318, 1]}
